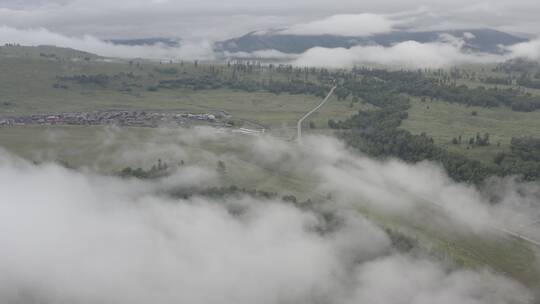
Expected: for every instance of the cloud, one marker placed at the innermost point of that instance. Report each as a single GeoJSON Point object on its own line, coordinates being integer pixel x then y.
{"type": "Point", "coordinates": [41, 36]}
{"type": "Point", "coordinates": [469, 36]}
{"type": "Point", "coordinates": [413, 281]}
{"type": "Point", "coordinates": [213, 19]}
{"type": "Point", "coordinates": [447, 51]}
{"type": "Point", "coordinates": [530, 50]}
{"type": "Point", "coordinates": [409, 54]}
{"type": "Point", "coordinates": [344, 25]}
{"type": "Point", "coordinates": [400, 188]}
{"type": "Point", "coordinates": [85, 238]}
{"type": "Point", "coordinates": [325, 164]}
{"type": "Point", "coordinates": [397, 187]}
{"type": "Point", "coordinates": [262, 54]}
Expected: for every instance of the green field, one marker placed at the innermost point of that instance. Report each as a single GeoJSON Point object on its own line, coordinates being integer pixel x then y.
{"type": "Point", "coordinates": [108, 150]}
{"type": "Point", "coordinates": [26, 87]}
{"type": "Point", "coordinates": [444, 121]}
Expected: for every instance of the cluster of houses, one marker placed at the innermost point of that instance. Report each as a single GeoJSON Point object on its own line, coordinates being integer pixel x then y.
{"type": "Point", "coordinates": [120, 118]}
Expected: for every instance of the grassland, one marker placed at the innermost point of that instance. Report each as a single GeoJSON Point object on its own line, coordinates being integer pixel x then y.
{"type": "Point", "coordinates": [27, 80]}
{"type": "Point", "coordinates": [26, 87]}
{"type": "Point", "coordinates": [108, 150]}
{"type": "Point", "coordinates": [445, 121]}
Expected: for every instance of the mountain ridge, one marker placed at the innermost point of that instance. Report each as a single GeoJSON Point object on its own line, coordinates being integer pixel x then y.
{"type": "Point", "coordinates": [476, 40]}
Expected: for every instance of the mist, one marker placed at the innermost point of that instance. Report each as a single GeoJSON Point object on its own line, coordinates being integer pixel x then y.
{"type": "Point", "coordinates": [408, 54]}
{"type": "Point", "coordinates": [85, 237]}
{"type": "Point", "coordinates": [189, 50]}
{"type": "Point", "coordinates": [448, 51]}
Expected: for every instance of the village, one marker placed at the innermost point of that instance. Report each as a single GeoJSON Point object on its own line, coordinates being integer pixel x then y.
{"type": "Point", "coordinates": [118, 118]}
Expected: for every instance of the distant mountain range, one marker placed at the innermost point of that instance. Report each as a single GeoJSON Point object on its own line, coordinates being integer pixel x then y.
{"type": "Point", "coordinates": [476, 40]}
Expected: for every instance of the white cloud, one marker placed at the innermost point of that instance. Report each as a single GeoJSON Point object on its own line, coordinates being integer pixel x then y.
{"type": "Point", "coordinates": [83, 238]}
{"type": "Point", "coordinates": [262, 54]}
{"type": "Point", "coordinates": [397, 187]}
{"type": "Point", "coordinates": [344, 25]}
{"type": "Point", "coordinates": [469, 36]}
{"type": "Point", "coordinates": [41, 36]}
{"type": "Point", "coordinates": [530, 50]}
{"type": "Point", "coordinates": [409, 54]}
{"type": "Point", "coordinates": [447, 51]}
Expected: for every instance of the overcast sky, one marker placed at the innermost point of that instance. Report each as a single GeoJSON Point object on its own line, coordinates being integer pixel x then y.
{"type": "Point", "coordinates": [217, 19]}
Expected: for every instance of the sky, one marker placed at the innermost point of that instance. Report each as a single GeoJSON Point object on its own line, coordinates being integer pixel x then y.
{"type": "Point", "coordinates": [216, 19]}
{"type": "Point", "coordinates": [87, 25]}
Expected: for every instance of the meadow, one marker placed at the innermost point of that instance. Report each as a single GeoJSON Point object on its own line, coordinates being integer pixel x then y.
{"type": "Point", "coordinates": [445, 121]}
{"type": "Point", "coordinates": [27, 83]}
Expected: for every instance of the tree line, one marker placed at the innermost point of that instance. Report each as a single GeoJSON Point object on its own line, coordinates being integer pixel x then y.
{"type": "Point", "coordinates": [378, 134]}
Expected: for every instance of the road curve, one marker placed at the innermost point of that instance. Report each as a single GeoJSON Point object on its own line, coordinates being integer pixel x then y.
{"type": "Point", "coordinates": [299, 124]}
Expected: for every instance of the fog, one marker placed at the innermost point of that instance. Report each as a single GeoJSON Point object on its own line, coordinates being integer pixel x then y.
{"type": "Point", "coordinates": [200, 49]}
{"type": "Point", "coordinates": [396, 187]}
{"type": "Point", "coordinates": [84, 237]}
{"type": "Point", "coordinates": [530, 50]}
{"type": "Point", "coordinates": [448, 51]}
{"type": "Point", "coordinates": [409, 54]}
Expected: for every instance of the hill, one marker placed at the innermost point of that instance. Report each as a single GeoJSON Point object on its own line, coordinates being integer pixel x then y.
{"type": "Point", "coordinates": [478, 40]}
{"type": "Point", "coordinates": [45, 52]}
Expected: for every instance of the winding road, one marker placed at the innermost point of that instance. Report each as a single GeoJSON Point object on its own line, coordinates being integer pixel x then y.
{"type": "Point", "coordinates": [299, 124]}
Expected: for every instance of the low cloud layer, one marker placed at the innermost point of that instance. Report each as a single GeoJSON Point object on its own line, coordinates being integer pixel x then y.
{"type": "Point", "coordinates": [445, 52]}
{"type": "Point", "coordinates": [530, 50]}
{"type": "Point", "coordinates": [410, 54]}
{"type": "Point", "coordinates": [395, 186]}
{"type": "Point", "coordinates": [86, 238]}
{"type": "Point", "coordinates": [40, 36]}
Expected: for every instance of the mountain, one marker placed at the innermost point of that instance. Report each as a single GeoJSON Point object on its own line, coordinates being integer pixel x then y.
{"type": "Point", "coordinates": [478, 40]}
{"type": "Point", "coordinates": [171, 42]}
